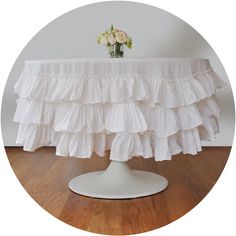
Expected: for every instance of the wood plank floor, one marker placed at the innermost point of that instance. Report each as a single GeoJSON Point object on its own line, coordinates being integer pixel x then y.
{"type": "Point", "coordinates": [45, 177]}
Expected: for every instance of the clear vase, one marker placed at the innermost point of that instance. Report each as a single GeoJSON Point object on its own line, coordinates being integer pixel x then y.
{"type": "Point", "coordinates": [116, 50]}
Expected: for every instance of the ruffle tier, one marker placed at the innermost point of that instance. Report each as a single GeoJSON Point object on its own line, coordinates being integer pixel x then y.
{"type": "Point", "coordinates": [93, 89]}
{"type": "Point", "coordinates": [129, 111]}
{"type": "Point", "coordinates": [123, 145]}
{"type": "Point", "coordinates": [114, 118]}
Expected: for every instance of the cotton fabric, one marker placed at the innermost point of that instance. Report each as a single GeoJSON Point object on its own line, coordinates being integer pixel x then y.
{"type": "Point", "coordinates": [148, 107]}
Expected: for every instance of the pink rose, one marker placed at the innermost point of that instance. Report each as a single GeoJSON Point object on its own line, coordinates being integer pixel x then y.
{"type": "Point", "coordinates": [121, 37]}
{"type": "Point", "coordinates": [111, 39]}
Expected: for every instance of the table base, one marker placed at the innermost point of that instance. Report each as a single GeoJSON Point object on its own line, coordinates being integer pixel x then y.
{"type": "Point", "coordinates": [118, 181]}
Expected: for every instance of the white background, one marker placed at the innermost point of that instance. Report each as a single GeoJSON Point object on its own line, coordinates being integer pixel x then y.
{"type": "Point", "coordinates": [20, 21]}
{"type": "Point", "coordinates": [155, 33]}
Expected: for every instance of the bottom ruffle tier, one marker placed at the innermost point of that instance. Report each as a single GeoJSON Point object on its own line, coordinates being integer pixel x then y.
{"type": "Point", "coordinates": [123, 145]}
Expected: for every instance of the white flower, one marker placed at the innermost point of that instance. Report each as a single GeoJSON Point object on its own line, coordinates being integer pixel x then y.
{"type": "Point", "coordinates": [111, 39]}
{"type": "Point", "coordinates": [103, 40]}
{"type": "Point", "coordinates": [121, 37]}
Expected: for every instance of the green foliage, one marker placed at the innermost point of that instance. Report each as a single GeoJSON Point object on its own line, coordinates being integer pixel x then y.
{"type": "Point", "coordinates": [111, 29]}
{"type": "Point", "coordinates": [99, 39]}
{"type": "Point", "coordinates": [129, 43]}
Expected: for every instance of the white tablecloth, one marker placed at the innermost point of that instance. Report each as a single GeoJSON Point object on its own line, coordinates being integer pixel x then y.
{"type": "Point", "coordinates": [146, 107]}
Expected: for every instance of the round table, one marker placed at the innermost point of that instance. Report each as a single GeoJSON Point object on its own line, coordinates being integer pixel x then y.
{"type": "Point", "coordinates": [149, 107]}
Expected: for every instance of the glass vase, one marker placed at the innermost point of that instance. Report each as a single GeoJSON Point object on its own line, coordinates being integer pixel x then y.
{"type": "Point", "coordinates": [116, 50]}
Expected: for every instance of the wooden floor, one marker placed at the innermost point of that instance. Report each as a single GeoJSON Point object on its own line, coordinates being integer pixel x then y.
{"type": "Point", "coordinates": [45, 177]}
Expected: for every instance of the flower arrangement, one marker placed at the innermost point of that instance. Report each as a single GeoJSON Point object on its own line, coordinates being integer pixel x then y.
{"type": "Point", "coordinates": [115, 40]}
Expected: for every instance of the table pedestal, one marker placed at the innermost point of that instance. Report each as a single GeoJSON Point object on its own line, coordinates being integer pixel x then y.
{"type": "Point", "coordinates": [118, 181]}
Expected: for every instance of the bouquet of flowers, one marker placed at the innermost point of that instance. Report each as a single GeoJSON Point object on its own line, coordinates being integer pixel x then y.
{"type": "Point", "coordinates": [115, 40]}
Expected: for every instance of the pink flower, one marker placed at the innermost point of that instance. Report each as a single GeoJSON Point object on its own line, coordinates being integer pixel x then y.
{"type": "Point", "coordinates": [121, 37]}
{"type": "Point", "coordinates": [111, 39]}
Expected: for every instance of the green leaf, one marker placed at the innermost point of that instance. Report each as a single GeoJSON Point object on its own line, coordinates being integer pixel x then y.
{"type": "Point", "coordinates": [111, 28]}
{"type": "Point", "coordinates": [129, 43]}
{"type": "Point", "coordinates": [99, 39]}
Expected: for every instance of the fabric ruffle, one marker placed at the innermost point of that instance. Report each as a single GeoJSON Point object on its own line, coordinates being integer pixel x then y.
{"type": "Point", "coordinates": [131, 112]}
{"type": "Point", "coordinates": [168, 93]}
{"type": "Point", "coordinates": [70, 117]}
{"type": "Point", "coordinates": [163, 132]}
{"type": "Point", "coordinates": [118, 117]}
{"type": "Point", "coordinates": [67, 144]}
{"type": "Point", "coordinates": [123, 145]}
{"type": "Point", "coordinates": [149, 144]}
{"type": "Point", "coordinates": [125, 117]}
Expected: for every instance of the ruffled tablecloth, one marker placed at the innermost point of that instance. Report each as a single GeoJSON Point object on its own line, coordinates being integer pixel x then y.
{"type": "Point", "coordinates": [146, 107]}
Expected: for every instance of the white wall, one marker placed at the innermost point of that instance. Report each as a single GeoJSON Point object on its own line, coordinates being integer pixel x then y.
{"type": "Point", "coordinates": [155, 33]}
